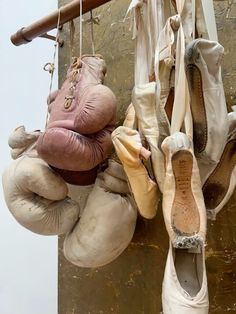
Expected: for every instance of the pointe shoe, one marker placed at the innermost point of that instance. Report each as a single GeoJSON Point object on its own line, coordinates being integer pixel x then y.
{"type": "Point", "coordinates": [221, 183]}
{"type": "Point", "coordinates": [209, 112]}
{"type": "Point", "coordinates": [184, 288]}
{"type": "Point", "coordinates": [165, 105]}
{"type": "Point", "coordinates": [144, 102]}
{"type": "Point", "coordinates": [183, 204]}
{"type": "Point", "coordinates": [130, 119]}
{"type": "Point", "coordinates": [165, 80]}
{"type": "Point", "coordinates": [130, 151]}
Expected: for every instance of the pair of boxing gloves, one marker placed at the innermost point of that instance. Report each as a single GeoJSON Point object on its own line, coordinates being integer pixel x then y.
{"type": "Point", "coordinates": [38, 199]}
{"type": "Point", "coordinates": [76, 140]}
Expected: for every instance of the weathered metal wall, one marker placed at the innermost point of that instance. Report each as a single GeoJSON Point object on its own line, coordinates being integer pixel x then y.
{"type": "Point", "coordinates": [132, 284]}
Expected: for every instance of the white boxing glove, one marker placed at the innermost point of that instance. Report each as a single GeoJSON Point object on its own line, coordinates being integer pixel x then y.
{"type": "Point", "coordinates": [107, 223]}
{"type": "Point", "coordinates": [20, 141]}
{"type": "Point", "coordinates": [35, 195]}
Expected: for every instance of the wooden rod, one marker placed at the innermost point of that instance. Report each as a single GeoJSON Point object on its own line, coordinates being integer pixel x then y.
{"type": "Point", "coordinates": [67, 12]}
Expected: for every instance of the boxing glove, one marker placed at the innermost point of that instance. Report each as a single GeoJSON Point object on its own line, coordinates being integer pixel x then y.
{"type": "Point", "coordinates": [20, 141]}
{"type": "Point", "coordinates": [107, 223]}
{"type": "Point", "coordinates": [35, 195]}
{"type": "Point", "coordinates": [72, 177]}
{"type": "Point", "coordinates": [82, 117]}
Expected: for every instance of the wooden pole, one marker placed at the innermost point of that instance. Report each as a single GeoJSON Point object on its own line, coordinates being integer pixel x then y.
{"type": "Point", "coordinates": [67, 12]}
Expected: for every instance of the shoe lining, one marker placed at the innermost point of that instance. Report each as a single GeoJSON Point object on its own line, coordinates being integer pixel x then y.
{"type": "Point", "coordinates": [184, 213]}
{"type": "Point", "coordinates": [197, 108]}
{"type": "Point", "coordinates": [217, 185]}
{"type": "Point", "coordinates": [189, 270]}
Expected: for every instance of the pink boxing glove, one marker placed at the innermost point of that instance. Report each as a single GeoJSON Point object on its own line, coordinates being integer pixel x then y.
{"type": "Point", "coordinates": [82, 118]}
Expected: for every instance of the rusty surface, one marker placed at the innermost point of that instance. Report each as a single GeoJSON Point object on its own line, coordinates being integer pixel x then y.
{"type": "Point", "coordinates": [132, 284]}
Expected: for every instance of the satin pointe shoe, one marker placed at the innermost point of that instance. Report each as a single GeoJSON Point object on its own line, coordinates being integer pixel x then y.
{"type": "Point", "coordinates": [221, 183]}
{"type": "Point", "coordinates": [184, 287]}
{"type": "Point", "coordinates": [130, 118]}
{"type": "Point", "coordinates": [183, 204]}
{"type": "Point", "coordinates": [209, 112]}
{"type": "Point", "coordinates": [164, 106]}
{"type": "Point", "coordinates": [129, 149]}
{"type": "Point", "coordinates": [165, 79]}
{"type": "Point", "coordinates": [144, 102]}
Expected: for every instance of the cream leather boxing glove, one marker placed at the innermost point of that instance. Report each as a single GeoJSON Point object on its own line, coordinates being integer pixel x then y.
{"type": "Point", "coordinates": [35, 195]}
{"type": "Point", "coordinates": [107, 223]}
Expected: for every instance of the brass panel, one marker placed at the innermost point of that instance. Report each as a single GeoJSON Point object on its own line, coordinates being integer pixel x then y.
{"type": "Point", "coordinates": [132, 283]}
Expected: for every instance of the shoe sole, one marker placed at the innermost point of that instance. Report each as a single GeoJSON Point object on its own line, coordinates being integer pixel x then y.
{"type": "Point", "coordinates": [217, 185]}
{"type": "Point", "coordinates": [184, 212]}
{"type": "Point", "coordinates": [197, 108]}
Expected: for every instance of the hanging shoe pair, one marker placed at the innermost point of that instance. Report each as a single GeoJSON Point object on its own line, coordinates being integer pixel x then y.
{"type": "Point", "coordinates": [149, 100]}
{"type": "Point", "coordinates": [183, 204]}
{"type": "Point", "coordinates": [128, 145]}
{"type": "Point", "coordinates": [210, 128]}
{"type": "Point", "coordinates": [184, 284]}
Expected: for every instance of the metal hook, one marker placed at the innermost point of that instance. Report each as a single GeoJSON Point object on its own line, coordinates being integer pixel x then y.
{"type": "Point", "coordinates": [51, 37]}
{"type": "Point", "coordinates": [49, 67]}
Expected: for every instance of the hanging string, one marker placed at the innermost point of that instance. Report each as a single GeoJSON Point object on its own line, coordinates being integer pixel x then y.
{"type": "Point", "coordinates": [50, 66]}
{"type": "Point", "coordinates": [92, 32]}
{"type": "Point", "coordinates": [72, 38]}
{"type": "Point", "coordinates": [80, 28]}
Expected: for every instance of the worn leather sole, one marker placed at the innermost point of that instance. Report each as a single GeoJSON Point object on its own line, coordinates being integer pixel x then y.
{"type": "Point", "coordinates": [197, 108]}
{"type": "Point", "coordinates": [185, 215]}
{"type": "Point", "coordinates": [217, 185]}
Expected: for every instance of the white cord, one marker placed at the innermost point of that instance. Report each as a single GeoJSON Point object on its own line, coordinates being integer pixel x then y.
{"type": "Point", "coordinates": [92, 32]}
{"type": "Point", "coordinates": [50, 66]}
{"type": "Point", "coordinates": [80, 26]}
